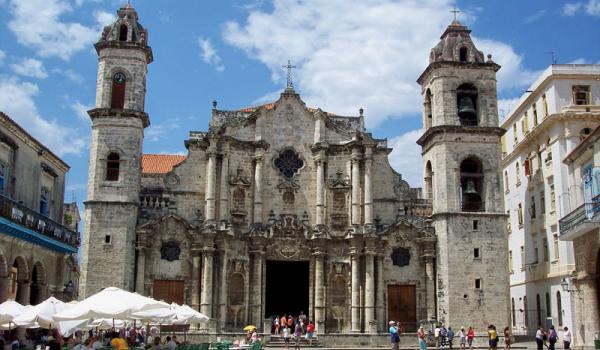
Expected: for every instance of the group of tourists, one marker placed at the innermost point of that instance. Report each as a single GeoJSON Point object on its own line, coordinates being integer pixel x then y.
{"type": "Point", "coordinates": [293, 327]}
{"type": "Point", "coordinates": [550, 338]}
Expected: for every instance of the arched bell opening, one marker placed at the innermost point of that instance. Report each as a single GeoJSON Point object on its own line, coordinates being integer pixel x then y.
{"type": "Point", "coordinates": [471, 185]}
{"type": "Point", "coordinates": [466, 99]}
{"type": "Point", "coordinates": [428, 107]}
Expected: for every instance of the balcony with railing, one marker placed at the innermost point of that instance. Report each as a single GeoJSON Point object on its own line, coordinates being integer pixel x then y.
{"type": "Point", "coordinates": [584, 218]}
{"type": "Point", "coordinates": [20, 221]}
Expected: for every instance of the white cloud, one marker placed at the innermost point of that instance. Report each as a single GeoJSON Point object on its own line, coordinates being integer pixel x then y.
{"type": "Point", "coordinates": [37, 25]}
{"type": "Point", "coordinates": [353, 53]}
{"type": "Point", "coordinates": [535, 16]}
{"type": "Point", "coordinates": [104, 18]}
{"type": "Point", "coordinates": [506, 106]}
{"type": "Point", "coordinates": [155, 132]}
{"type": "Point", "coordinates": [578, 61]}
{"type": "Point", "coordinates": [30, 67]}
{"type": "Point", "coordinates": [69, 74]}
{"type": "Point", "coordinates": [16, 100]}
{"type": "Point", "coordinates": [570, 9]}
{"type": "Point", "coordinates": [81, 110]}
{"type": "Point", "coordinates": [209, 54]}
{"type": "Point", "coordinates": [406, 157]}
{"type": "Point", "coordinates": [2, 57]}
{"type": "Point", "coordinates": [593, 8]}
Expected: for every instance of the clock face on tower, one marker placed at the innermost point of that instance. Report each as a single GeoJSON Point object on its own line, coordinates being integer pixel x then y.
{"type": "Point", "coordinates": [119, 78]}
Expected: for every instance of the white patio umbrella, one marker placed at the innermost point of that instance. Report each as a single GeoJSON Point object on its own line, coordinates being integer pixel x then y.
{"type": "Point", "coordinates": [186, 315]}
{"type": "Point", "coordinates": [173, 314]}
{"type": "Point", "coordinates": [41, 314]}
{"type": "Point", "coordinates": [106, 323]}
{"type": "Point", "coordinates": [9, 310]}
{"type": "Point", "coordinates": [111, 302]}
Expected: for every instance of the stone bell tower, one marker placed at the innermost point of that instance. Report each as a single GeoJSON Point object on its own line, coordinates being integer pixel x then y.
{"type": "Point", "coordinates": [461, 156]}
{"type": "Point", "coordinates": [118, 123]}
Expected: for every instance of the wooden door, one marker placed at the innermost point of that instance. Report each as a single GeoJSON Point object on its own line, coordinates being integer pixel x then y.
{"type": "Point", "coordinates": [402, 306]}
{"type": "Point", "coordinates": [171, 291]}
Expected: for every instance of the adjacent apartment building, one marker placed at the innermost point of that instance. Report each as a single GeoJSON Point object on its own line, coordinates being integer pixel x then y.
{"type": "Point", "coordinates": [38, 232]}
{"type": "Point", "coordinates": [558, 111]}
{"type": "Point", "coordinates": [580, 224]}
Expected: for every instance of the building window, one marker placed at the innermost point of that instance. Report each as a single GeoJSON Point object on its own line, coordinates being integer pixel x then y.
{"type": "Point", "coordinates": [584, 133]}
{"type": "Point", "coordinates": [536, 252]}
{"type": "Point", "coordinates": [548, 307]}
{"type": "Point", "coordinates": [288, 163]}
{"type": "Point", "coordinates": [506, 185]}
{"type": "Point", "coordinates": [545, 242]}
{"type": "Point", "coordinates": [518, 173]}
{"type": "Point", "coordinates": [113, 163]}
{"type": "Point", "coordinates": [107, 239]}
{"type": "Point", "coordinates": [525, 124]}
{"type": "Point", "coordinates": [3, 174]}
{"type": "Point", "coordinates": [288, 197]}
{"type": "Point", "coordinates": [552, 199]}
{"type": "Point", "coordinates": [475, 225]}
{"type": "Point", "coordinates": [581, 95]}
{"type": "Point", "coordinates": [542, 202]}
{"type": "Point", "coordinates": [462, 54]}
{"type": "Point", "coordinates": [123, 33]}
{"type": "Point", "coordinates": [476, 253]}
{"type": "Point", "coordinates": [429, 180]}
{"type": "Point", "coordinates": [428, 109]}
{"type": "Point", "coordinates": [559, 308]}
{"type": "Point", "coordinates": [538, 309]}
{"type": "Point", "coordinates": [513, 314]}
{"type": "Point", "coordinates": [515, 139]}
{"type": "Point", "coordinates": [508, 219]}
{"type": "Point", "coordinates": [466, 99]}
{"type": "Point", "coordinates": [478, 283]}
{"type": "Point", "coordinates": [239, 198]}
{"type": "Point", "coordinates": [118, 91]}
{"type": "Point", "coordinates": [510, 261]}
{"type": "Point", "coordinates": [471, 185]}
{"type": "Point", "coordinates": [44, 196]}
{"type": "Point", "coordinates": [544, 106]}
{"type": "Point", "coordinates": [555, 247]}
{"type": "Point", "coordinates": [532, 208]}
{"type": "Point", "coordinates": [526, 317]}
{"type": "Point", "coordinates": [522, 257]}
{"type": "Point", "coordinates": [534, 113]}
{"type": "Point", "coordinates": [520, 214]}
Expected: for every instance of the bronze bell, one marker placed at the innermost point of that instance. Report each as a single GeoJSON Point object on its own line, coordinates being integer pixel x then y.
{"type": "Point", "coordinates": [466, 109]}
{"type": "Point", "coordinates": [470, 188]}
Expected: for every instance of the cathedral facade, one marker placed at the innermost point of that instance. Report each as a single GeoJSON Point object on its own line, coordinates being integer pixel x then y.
{"type": "Point", "coordinates": [283, 208]}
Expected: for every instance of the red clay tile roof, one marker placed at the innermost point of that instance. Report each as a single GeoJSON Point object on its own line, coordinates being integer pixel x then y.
{"type": "Point", "coordinates": [160, 163]}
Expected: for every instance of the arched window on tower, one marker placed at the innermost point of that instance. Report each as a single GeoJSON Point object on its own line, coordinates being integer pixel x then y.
{"type": "Point", "coordinates": [428, 109]}
{"type": "Point", "coordinates": [429, 180]}
{"type": "Point", "coordinates": [463, 54]}
{"type": "Point", "coordinates": [123, 32]}
{"type": "Point", "coordinates": [466, 99]}
{"type": "Point", "coordinates": [118, 91]}
{"type": "Point", "coordinates": [559, 310]}
{"type": "Point", "coordinates": [112, 167]}
{"type": "Point", "coordinates": [471, 185]}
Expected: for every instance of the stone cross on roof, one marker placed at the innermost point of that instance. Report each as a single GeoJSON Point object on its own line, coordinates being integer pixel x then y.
{"type": "Point", "coordinates": [455, 11]}
{"type": "Point", "coordinates": [288, 66]}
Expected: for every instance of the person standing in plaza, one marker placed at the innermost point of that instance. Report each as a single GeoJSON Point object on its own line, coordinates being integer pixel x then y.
{"type": "Point", "coordinates": [421, 335]}
{"type": "Point", "coordinates": [507, 338]}
{"type": "Point", "coordinates": [552, 338]}
{"type": "Point", "coordinates": [286, 335]}
{"type": "Point", "coordinates": [436, 334]}
{"type": "Point", "coordinates": [470, 337]}
{"type": "Point", "coordinates": [310, 331]}
{"type": "Point", "coordinates": [540, 335]}
{"type": "Point", "coordinates": [567, 338]}
{"type": "Point", "coordinates": [450, 336]}
{"type": "Point", "coordinates": [443, 335]}
{"type": "Point", "coordinates": [394, 337]}
{"type": "Point", "coordinates": [276, 325]}
{"type": "Point", "coordinates": [463, 338]}
{"type": "Point", "coordinates": [493, 337]}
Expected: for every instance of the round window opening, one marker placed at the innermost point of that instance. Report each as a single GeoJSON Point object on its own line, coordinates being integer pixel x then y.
{"type": "Point", "coordinates": [288, 163]}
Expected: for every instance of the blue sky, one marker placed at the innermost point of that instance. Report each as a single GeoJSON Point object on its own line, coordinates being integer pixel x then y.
{"type": "Point", "coordinates": [349, 53]}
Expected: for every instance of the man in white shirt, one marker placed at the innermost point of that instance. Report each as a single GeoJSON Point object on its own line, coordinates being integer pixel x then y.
{"type": "Point", "coordinates": [170, 345]}
{"type": "Point", "coordinates": [567, 338]}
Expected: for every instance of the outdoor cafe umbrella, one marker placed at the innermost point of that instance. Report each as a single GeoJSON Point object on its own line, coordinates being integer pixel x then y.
{"type": "Point", "coordinates": [41, 314]}
{"type": "Point", "coordinates": [249, 328]}
{"type": "Point", "coordinates": [9, 310]}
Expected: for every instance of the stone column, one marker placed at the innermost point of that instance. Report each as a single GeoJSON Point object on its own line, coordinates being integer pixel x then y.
{"type": "Point", "coordinates": [207, 283]}
{"type": "Point", "coordinates": [379, 296]}
{"type": "Point", "coordinates": [355, 295]}
{"type": "Point", "coordinates": [4, 285]}
{"type": "Point", "coordinates": [319, 318]}
{"type": "Point", "coordinates": [368, 187]}
{"type": "Point", "coordinates": [256, 298]}
{"type": "Point", "coordinates": [355, 186]}
{"type": "Point", "coordinates": [140, 270]}
{"type": "Point", "coordinates": [196, 281]}
{"type": "Point", "coordinates": [430, 287]}
{"type": "Point", "coordinates": [224, 190]}
{"type": "Point", "coordinates": [258, 163]}
{"type": "Point", "coordinates": [370, 323]}
{"type": "Point", "coordinates": [210, 185]}
{"type": "Point", "coordinates": [23, 290]}
{"type": "Point", "coordinates": [320, 207]}
{"type": "Point", "coordinates": [223, 290]}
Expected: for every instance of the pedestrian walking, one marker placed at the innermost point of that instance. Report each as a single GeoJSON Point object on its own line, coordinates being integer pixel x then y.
{"type": "Point", "coordinates": [552, 338]}
{"type": "Point", "coordinates": [276, 325]}
{"type": "Point", "coordinates": [450, 336]}
{"type": "Point", "coordinates": [310, 331]}
{"type": "Point", "coordinates": [567, 338]}
{"type": "Point", "coordinates": [286, 336]}
{"type": "Point", "coordinates": [470, 337]}
{"type": "Point", "coordinates": [463, 338]}
{"type": "Point", "coordinates": [507, 338]}
{"type": "Point", "coordinates": [493, 337]}
{"type": "Point", "coordinates": [443, 335]}
{"type": "Point", "coordinates": [394, 337]}
{"type": "Point", "coordinates": [436, 334]}
{"type": "Point", "coordinates": [540, 336]}
{"type": "Point", "coordinates": [422, 342]}
{"type": "Point", "coordinates": [297, 336]}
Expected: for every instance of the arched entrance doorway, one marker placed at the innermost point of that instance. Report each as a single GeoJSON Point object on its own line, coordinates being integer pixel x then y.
{"type": "Point", "coordinates": [19, 284]}
{"type": "Point", "coordinates": [37, 286]}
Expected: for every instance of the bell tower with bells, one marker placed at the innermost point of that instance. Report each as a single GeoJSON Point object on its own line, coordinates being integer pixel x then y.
{"type": "Point", "coordinates": [462, 178]}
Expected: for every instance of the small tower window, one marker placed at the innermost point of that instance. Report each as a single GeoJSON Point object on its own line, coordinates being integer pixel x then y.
{"type": "Point", "coordinates": [429, 180]}
{"type": "Point", "coordinates": [123, 33]}
{"type": "Point", "coordinates": [428, 109]}
{"type": "Point", "coordinates": [471, 185]}
{"type": "Point", "coordinates": [118, 91]}
{"type": "Point", "coordinates": [466, 99]}
{"type": "Point", "coordinates": [2, 177]}
{"type": "Point", "coordinates": [112, 167]}
{"type": "Point", "coordinates": [462, 54]}
{"type": "Point", "coordinates": [44, 209]}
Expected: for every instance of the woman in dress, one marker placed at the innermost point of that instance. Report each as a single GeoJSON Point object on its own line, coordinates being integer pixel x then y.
{"type": "Point", "coordinates": [506, 338]}
{"type": "Point", "coordinates": [422, 342]}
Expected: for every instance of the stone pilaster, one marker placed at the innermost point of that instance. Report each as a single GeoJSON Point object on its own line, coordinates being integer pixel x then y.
{"type": "Point", "coordinates": [430, 286]}
{"type": "Point", "coordinates": [4, 285]}
{"type": "Point", "coordinates": [23, 289]}
{"type": "Point", "coordinates": [370, 322]}
{"type": "Point", "coordinates": [319, 284]}
{"type": "Point", "coordinates": [258, 165]}
{"type": "Point", "coordinates": [355, 286]}
{"type": "Point", "coordinates": [223, 290]}
{"type": "Point", "coordinates": [224, 189]}
{"type": "Point", "coordinates": [355, 186]}
{"type": "Point", "coordinates": [210, 184]}
{"type": "Point", "coordinates": [380, 290]}
{"type": "Point", "coordinates": [320, 203]}
{"type": "Point", "coordinates": [368, 187]}
{"type": "Point", "coordinates": [256, 280]}
{"type": "Point", "coordinates": [140, 270]}
{"type": "Point", "coordinates": [196, 281]}
{"type": "Point", "coordinates": [206, 301]}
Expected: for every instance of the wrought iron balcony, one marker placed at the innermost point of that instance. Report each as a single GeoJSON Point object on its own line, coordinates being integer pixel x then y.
{"type": "Point", "coordinates": [31, 220]}
{"type": "Point", "coordinates": [577, 222]}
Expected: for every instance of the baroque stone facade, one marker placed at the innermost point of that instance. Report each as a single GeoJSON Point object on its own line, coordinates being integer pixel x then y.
{"type": "Point", "coordinates": [275, 209]}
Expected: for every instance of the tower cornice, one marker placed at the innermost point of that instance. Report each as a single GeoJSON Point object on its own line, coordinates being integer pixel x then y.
{"type": "Point", "coordinates": [147, 50]}
{"type": "Point", "coordinates": [459, 129]}
{"type": "Point", "coordinates": [451, 64]}
{"type": "Point", "coordinates": [119, 113]}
